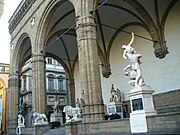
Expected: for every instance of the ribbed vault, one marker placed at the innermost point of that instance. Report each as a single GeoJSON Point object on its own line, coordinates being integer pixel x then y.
{"type": "Point", "coordinates": [111, 18]}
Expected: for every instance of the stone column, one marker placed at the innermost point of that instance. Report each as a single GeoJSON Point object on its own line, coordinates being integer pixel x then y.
{"type": "Point", "coordinates": [39, 99]}
{"type": "Point", "coordinates": [89, 68]}
{"type": "Point", "coordinates": [71, 92]}
{"type": "Point", "coordinates": [13, 102]}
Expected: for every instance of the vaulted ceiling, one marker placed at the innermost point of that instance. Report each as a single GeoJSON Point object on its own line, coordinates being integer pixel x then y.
{"type": "Point", "coordinates": [111, 18]}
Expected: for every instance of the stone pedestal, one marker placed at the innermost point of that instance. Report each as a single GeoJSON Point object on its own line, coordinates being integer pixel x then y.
{"type": "Point", "coordinates": [116, 107]}
{"type": "Point", "coordinates": [56, 120]}
{"type": "Point", "coordinates": [21, 125]}
{"type": "Point", "coordinates": [141, 106]}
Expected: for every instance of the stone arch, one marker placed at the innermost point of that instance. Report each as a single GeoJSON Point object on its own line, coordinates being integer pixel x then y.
{"type": "Point", "coordinates": [43, 23]}
{"type": "Point", "coordinates": [69, 70]}
{"type": "Point", "coordinates": [3, 94]}
{"type": "Point", "coordinates": [18, 56]}
{"type": "Point", "coordinates": [2, 83]}
{"type": "Point", "coordinates": [165, 15]}
{"type": "Point", "coordinates": [44, 36]}
{"type": "Point", "coordinates": [48, 33]}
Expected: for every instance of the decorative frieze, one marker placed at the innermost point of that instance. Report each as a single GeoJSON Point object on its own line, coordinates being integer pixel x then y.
{"type": "Point", "coordinates": [19, 13]}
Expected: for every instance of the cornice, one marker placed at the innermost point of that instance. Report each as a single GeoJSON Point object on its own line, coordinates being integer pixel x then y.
{"type": "Point", "coordinates": [19, 13]}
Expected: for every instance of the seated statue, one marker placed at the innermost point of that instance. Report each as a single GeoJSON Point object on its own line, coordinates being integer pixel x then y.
{"type": "Point", "coordinates": [72, 114]}
{"type": "Point", "coordinates": [39, 119]}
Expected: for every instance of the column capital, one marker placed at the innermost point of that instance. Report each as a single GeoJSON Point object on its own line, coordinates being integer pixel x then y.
{"type": "Point", "coordinates": [13, 80]}
{"type": "Point", "coordinates": [83, 21]}
{"type": "Point", "coordinates": [38, 58]}
{"type": "Point", "coordinates": [85, 28]}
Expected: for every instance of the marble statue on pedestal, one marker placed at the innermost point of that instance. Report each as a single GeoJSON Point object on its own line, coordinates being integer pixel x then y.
{"type": "Point", "coordinates": [116, 106]}
{"type": "Point", "coordinates": [21, 121]}
{"type": "Point", "coordinates": [39, 119]}
{"type": "Point", "coordinates": [73, 114]}
{"type": "Point", "coordinates": [56, 116]}
{"type": "Point", "coordinates": [141, 95]}
{"type": "Point", "coordinates": [115, 94]}
{"type": "Point", "coordinates": [56, 107]}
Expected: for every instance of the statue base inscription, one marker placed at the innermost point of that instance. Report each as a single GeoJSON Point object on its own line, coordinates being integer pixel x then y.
{"type": "Point", "coordinates": [141, 106]}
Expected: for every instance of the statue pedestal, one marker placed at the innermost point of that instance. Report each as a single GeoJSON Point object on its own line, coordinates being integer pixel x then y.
{"type": "Point", "coordinates": [55, 117]}
{"type": "Point", "coordinates": [55, 120]}
{"type": "Point", "coordinates": [116, 107]}
{"type": "Point", "coordinates": [21, 125]}
{"type": "Point", "coordinates": [41, 123]}
{"type": "Point", "coordinates": [141, 106]}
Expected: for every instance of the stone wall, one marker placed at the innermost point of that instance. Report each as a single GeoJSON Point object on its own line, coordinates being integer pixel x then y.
{"type": "Point", "coordinates": [164, 123]}
{"type": "Point", "coordinates": [161, 123]}
{"type": "Point", "coordinates": [102, 127]}
{"type": "Point", "coordinates": [167, 102]}
{"type": "Point", "coordinates": [35, 130]}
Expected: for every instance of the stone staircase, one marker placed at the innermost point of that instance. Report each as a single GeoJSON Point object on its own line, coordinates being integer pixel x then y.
{"type": "Point", "coordinates": [57, 131]}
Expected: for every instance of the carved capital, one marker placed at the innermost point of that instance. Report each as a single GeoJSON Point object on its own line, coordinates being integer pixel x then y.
{"type": "Point", "coordinates": [38, 58]}
{"type": "Point", "coordinates": [160, 49]}
{"type": "Point", "coordinates": [85, 28]}
{"type": "Point", "coordinates": [106, 70]}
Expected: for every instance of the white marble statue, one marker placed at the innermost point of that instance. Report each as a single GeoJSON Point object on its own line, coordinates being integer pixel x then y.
{"type": "Point", "coordinates": [134, 69]}
{"type": "Point", "coordinates": [115, 94]}
{"type": "Point", "coordinates": [72, 114]}
{"type": "Point", "coordinates": [56, 107]}
{"type": "Point", "coordinates": [21, 122]}
{"type": "Point", "coordinates": [131, 73]}
{"type": "Point", "coordinates": [39, 119]}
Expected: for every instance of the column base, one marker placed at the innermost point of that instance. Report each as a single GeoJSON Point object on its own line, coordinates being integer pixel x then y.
{"type": "Point", "coordinates": [96, 113]}
{"type": "Point", "coordinates": [12, 124]}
